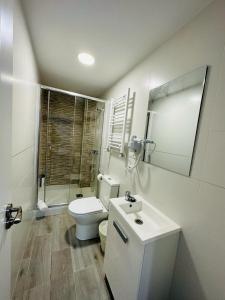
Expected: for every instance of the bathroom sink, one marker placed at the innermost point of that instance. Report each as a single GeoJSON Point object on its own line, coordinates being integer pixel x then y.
{"type": "Point", "coordinates": [147, 222]}
{"type": "Point", "coordinates": [131, 207]}
{"type": "Point", "coordinates": [140, 250]}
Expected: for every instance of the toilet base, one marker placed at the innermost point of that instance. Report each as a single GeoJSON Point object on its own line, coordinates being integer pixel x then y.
{"type": "Point", "coordinates": [87, 232]}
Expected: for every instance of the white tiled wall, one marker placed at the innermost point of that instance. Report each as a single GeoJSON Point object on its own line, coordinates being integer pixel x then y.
{"type": "Point", "coordinates": [197, 203]}
{"type": "Point", "coordinates": [25, 104]}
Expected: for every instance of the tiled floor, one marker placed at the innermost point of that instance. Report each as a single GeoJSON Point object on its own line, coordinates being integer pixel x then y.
{"type": "Point", "coordinates": [57, 266]}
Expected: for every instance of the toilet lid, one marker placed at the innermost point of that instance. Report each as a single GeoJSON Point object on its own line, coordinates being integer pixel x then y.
{"type": "Point", "coordinates": [86, 205]}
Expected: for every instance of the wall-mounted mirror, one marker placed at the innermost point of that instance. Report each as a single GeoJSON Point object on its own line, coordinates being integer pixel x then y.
{"type": "Point", "coordinates": [172, 120]}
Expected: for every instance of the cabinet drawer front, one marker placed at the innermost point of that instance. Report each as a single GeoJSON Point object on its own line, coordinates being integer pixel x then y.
{"type": "Point", "coordinates": [123, 259]}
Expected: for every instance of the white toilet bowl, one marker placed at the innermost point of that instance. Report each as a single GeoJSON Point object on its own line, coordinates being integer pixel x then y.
{"type": "Point", "coordinates": [88, 213]}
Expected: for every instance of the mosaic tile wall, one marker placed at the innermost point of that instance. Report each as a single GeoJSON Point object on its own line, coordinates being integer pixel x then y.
{"type": "Point", "coordinates": [88, 156]}
{"type": "Point", "coordinates": [71, 139]}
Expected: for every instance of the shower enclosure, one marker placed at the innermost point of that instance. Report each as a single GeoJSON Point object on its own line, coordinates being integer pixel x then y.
{"type": "Point", "coordinates": [69, 147]}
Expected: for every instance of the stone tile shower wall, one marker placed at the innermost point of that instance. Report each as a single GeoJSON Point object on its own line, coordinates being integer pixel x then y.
{"type": "Point", "coordinates": [88, 146]}
{"type": "Point", "coordinates": [71, 130]}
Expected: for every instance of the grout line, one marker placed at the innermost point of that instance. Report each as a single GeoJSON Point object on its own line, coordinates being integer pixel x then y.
{"type": "Point", "coordinates": [208, 182]}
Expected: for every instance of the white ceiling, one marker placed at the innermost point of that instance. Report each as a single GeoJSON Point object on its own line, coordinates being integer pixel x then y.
{"type": "Point", "coordinates": [119, 33]}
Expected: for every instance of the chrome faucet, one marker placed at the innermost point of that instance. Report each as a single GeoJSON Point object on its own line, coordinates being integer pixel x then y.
{"type": "Point", "coordinates": [128, 197]}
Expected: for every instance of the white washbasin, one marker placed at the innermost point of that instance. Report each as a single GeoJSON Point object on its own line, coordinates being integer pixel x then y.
{"type": "Point", "coordinates": [131, 207]}
{"type": "Point", "coordinates": [139, 258]}
{"type": "Point", "coordinates": [154, 223]}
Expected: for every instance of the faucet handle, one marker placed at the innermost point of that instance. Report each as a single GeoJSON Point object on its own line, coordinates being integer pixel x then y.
{"type": "Point", "coordinates": [127, 195]}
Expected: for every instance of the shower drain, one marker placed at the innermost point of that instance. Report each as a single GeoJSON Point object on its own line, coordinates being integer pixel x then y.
{"type": "Point", "coordinates": [139, 221]}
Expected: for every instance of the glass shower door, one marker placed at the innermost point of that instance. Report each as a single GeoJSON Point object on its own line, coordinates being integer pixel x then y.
{"type": "Point", "coordinates": [97, 142]}
{"type": "Point", "coordinates": [69, 147]}
{"type": "Point", "coordinates": [59, 158]}
{"type": "Point", "coordinates": [90, 148]}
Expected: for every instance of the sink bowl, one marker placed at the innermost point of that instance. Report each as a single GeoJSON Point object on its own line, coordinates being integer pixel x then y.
{"type": "Point", "coordinates": [131, 207]}
{"type": "Point", "coordinates": [147, 222]}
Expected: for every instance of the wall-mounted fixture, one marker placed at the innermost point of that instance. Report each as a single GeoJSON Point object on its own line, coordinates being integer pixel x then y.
{"type": "Point", "coordinates": [119, 124]}
{"type": "Point", "coordinates": [137, 146]}
{"type": "Point", "coordinates": [172, 121]}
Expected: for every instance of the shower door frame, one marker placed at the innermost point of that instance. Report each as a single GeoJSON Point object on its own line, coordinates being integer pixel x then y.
{"type": "Point", "coordinates": [49, 89]}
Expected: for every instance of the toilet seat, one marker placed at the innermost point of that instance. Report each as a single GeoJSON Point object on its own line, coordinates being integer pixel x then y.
{"type": "Point", "coordinates": [86, 206]}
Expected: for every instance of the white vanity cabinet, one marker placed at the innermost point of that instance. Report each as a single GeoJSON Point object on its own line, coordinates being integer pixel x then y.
{"type": "Point", "coordinates": [137, 269]}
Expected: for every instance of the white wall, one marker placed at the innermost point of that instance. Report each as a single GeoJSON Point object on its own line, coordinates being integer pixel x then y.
{"type": "Point", "coordinates": [6, 70]}
{"type": "Point", "coordinates": [197, 203]}
{"type": "Point", "coordinates": [25, 105]}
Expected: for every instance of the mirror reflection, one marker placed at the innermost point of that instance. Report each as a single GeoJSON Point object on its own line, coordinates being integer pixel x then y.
{"type": "Point", "coordinates": [172, 120]}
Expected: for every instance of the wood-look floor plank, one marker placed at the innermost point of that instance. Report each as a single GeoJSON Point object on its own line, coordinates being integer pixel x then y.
{"type": "Point", "coordinates": [98, 258]}
{"type": "Point", "coordinates": [63, 221]}
{"type": "Point", "coordinates": [82, 255]}
{"type": "Point", "coordinates": [70, 221]}
{"type": "Point", "coordinates": [57, 266]}
{"type": "Point", "coordinates": [63, 289]}
{"type": "Point", "coordinates": [89, 286]}
{"type": "Point", "coordinates": [22, 280]}
{"type": "Point", "coordinates": [61, 264]}
{"type": "Point", "coordinates": [30, 240]}
{"type": "Point", "coordinates": [42, 248]}
{"type": "Point", "coordinates": [40, 263]}
{"type": "Point", "coordinates": [41, 292]}
{"type": "Point", "coordinates": [99, 261]}
{"type": "Point", "coordinates": [45, 225]}
{"type": "Point", "coordinates": [62, 279]}
{"type": "Point", "coordinates": [59, 239]}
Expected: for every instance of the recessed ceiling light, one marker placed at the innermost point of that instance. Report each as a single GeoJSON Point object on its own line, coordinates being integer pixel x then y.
{"type": "Point", "coordinates": [86, 59]}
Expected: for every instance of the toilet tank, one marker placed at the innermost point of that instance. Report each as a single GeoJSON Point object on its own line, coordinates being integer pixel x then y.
{"type": "Point", "coordinates": [108, 188]}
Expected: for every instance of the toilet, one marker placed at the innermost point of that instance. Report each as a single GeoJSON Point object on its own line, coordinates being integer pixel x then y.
{"type": "Point", "coordinates": [89, 212]}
